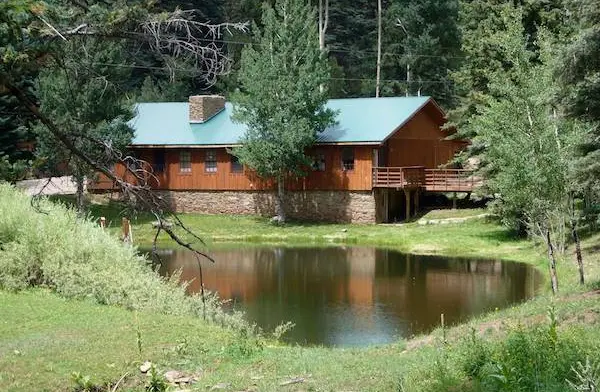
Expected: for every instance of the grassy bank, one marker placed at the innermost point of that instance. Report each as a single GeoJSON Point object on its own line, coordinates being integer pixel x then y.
{"type": "Point", "coordinates": [44, 337]}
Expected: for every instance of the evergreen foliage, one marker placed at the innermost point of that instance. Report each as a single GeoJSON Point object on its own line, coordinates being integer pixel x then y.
{"type": "Point", "coordinates": [423, 35]}
{"type": "Point", "coordinates": [82, 97]}
{"type": "Point", "coordinates": [580, 79]}
{"type": "Point", "coordinates": [279, 98]}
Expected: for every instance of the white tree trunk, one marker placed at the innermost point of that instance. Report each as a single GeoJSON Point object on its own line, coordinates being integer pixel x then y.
{"type": "Point", "coordinates": [281, 199]}
{"type": "Point", "coordinates": [379, 11]}
{"type": "Point", "coordinates": [552, 263]}
{"type": "Point", "coordinates": [323, 23]}
{"type": "Point", "coordinates": [80, 195]}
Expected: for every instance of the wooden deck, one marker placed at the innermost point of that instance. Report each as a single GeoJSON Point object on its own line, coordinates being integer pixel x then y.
{"type": "Point", "coordinates": [432, 180]}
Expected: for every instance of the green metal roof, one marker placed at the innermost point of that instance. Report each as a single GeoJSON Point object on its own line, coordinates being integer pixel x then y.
{"type": "Point", "coordinates": [368, 120]}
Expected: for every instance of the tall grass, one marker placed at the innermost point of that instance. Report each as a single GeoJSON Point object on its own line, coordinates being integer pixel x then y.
{"type": "Point", "coordinates": [539, 358]}
{"type": "Point", "coordinates": [49, 246]}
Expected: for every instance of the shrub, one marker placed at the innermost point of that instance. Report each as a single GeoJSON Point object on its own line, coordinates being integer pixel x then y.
{"type": "Point", "coordinates": [49, 246]}
{"type": "Point", "coordinates": [539, 358]}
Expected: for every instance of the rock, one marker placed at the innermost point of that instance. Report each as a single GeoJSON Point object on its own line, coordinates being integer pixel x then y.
{"type": "Point", "coordinates": [344, 230]}
{"type": "Point", "coordinates": [177, 377]}
{"type": "Point", "coordinates": [173, 375]}
{"type": "Point", "coordinates": [276, 220]}
{"type": "Point", "coordinates": [145, 367]}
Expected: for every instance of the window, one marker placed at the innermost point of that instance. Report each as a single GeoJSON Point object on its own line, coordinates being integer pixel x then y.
{"type": "Point", "coordinates": [348, 158]}
{"type": "Point", "coordinates": [210, 161]}
{"type": "Point", "coordinates": [236, 165]}
{"type": "Point", "coordinates": [159, 161]}
{"type": "Point", "coordinates": [318, 162]}
{"type": "Point", "coordinates": [185, 162]}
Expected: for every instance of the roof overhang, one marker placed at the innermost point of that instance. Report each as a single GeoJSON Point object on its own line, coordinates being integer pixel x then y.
{"type": "Point", "coordinates": [175, 146]}
{"type": "Point", "coordinates": [201, 146]}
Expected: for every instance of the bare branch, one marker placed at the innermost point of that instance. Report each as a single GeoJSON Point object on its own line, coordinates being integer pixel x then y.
{"type": "Point", "coordinates": [182, 36]}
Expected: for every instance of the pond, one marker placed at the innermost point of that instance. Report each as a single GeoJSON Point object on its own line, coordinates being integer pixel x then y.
{"type": "Point", "coordinates": [354, 296]}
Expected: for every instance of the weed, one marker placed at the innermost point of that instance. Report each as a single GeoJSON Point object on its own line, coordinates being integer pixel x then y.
{"type": "Point", "coordinates": [587, 377]}
{"type": "Point", "coordinates": [138, 338]}
{"type": "Point", "coordinates": [83, 383]}
{"type": "Point", "coordinates": [182, 347]}
{"type": "Point", "coordinates": [156, 382]}
{"type": "Point", "coordinates": [246, 344]}
{"type": "Point", "coordinates": [282, 329]}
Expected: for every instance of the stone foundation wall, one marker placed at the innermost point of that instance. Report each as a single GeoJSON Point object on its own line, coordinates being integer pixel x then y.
{"type": "Point", "coordinates": [331, 206]}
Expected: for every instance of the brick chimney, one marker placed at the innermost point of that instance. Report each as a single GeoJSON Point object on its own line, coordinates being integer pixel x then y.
{"type": "Point", "coordinates": [203, 107]}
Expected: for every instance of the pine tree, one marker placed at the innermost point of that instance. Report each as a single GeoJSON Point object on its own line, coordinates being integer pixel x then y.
{"type": "Point", "coordinates": [580, 77]}
{"type": "Point", "coordinates": [352, 41]}
{"type": "Point", "coordinates": [83, 97]}
{"type": "Point", "coordinates": [422, 37]}
{"type": "Point", "coordinates": [280, 99]}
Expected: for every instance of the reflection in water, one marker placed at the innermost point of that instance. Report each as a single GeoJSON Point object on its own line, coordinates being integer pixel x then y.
{"type": "Point", "coordinates": [354, 296]}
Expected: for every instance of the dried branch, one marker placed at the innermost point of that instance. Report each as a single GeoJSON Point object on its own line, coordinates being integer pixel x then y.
{"type": "Point", "coordinates": [177, 34]}
{"type": "Point", "coordinates": [182, 36]}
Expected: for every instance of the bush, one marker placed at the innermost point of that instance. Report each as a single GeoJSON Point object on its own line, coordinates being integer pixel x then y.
{"type": "Point", "coordinates": [49, 246]}
{"type": "Point", "coordinates": [527, 359]}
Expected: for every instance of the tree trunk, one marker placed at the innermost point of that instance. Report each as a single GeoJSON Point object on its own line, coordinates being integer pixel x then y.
{"type": "Point", "coordinates": [79, 195]}
{"type": "Point", "coordinates": [552, 261]}
{"type": "Point", "coordinates": [323, 22]}
{"type": "Point", "coordinates": [280, 199]}
{"type": "Point", "coordinates": [378, 48]}
{"type": "Point", "coordinates": [578, 251]}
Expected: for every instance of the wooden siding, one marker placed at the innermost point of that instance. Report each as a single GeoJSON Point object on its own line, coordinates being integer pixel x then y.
{"type": "Point", "coordinates": [333, 178]}
{"type": "Point", "coordinates": [420, 143]}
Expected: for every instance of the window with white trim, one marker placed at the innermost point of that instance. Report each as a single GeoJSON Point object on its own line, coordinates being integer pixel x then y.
{"type": "Point", "coordinates": [347, 158]}
{"type": "Point", "coordinates": [185, 161]}
{"type": "Point", "coordinates": [210, 161]}
{"type": "Point", "coordinates": [318, 162]}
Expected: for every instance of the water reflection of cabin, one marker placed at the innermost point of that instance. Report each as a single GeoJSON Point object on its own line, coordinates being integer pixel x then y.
{"type": "Point", "coordinates": [372, 166]}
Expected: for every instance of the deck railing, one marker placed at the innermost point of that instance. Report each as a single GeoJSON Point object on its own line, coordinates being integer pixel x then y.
{"type": "Point", "coordinates": [450, 180]}
{"type": "Point", "coordinates": [434, 180]}
{"type": "Point", "coordinates": [398, 177]}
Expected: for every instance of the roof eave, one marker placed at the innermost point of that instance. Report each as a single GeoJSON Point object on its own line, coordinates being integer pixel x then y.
{"type": "Point", "coordinates": [225, 145]}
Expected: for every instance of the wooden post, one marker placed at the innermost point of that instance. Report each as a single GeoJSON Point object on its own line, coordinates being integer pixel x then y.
{"type": "Point", "coordinates": [417, 197]}
{"type": "Point", "coordinates": [386, 205]}
{"type": "Point", "coordinates": [454, 201]}
{"type": "Point", "coordinates": [126, 230]}
{"type": "Point", "coordinates": [407, 197]}
{"type": "Point", "coordinates": [103, 222]}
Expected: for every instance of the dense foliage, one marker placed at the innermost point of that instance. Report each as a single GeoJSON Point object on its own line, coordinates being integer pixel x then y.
{"type": "Point", "coordinates": [280, 99]}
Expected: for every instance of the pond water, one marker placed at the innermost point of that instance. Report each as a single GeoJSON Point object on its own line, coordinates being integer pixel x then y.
{"type": "Point", "coordinates": [354, 296]}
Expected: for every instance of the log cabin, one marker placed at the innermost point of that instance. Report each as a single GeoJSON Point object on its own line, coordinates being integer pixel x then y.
{"type": "Point", "coordinates": [373, 165]}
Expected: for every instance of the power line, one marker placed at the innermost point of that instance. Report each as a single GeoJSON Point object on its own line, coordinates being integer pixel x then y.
{"type": "Point", "coordinates": [340, 49]}
{"type": "Point", "coordinates": [194, 70]}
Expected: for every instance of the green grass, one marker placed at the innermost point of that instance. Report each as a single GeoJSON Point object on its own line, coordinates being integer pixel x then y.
{"type": "Point", "coordinates": [44, 338]}
{"type": "Point", "coordinates": [454, 213]}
